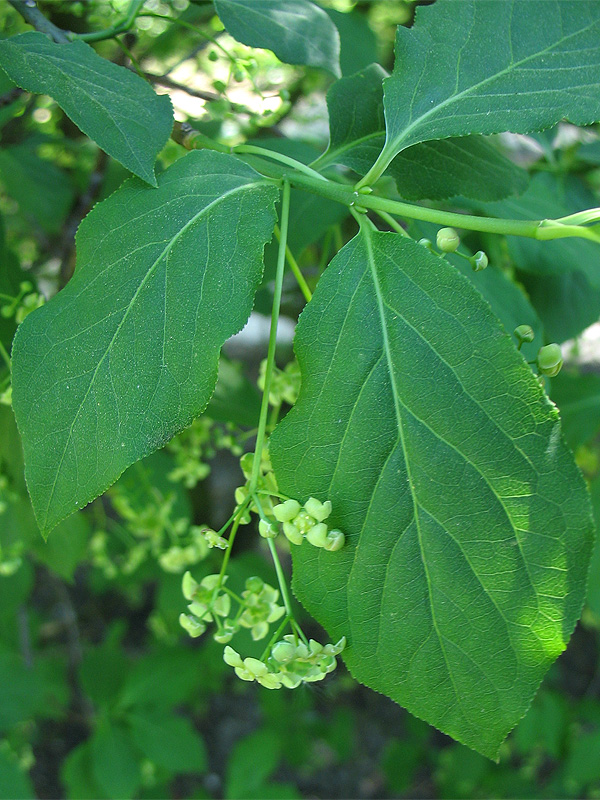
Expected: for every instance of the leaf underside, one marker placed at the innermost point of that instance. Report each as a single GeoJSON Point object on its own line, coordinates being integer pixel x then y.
{"type": "Point", "coordinates": [297, 31]}
{"type": "Point", "coordinates": [468, 524]}
{"type": "Point", "coordinates": [486, 66]}
{"type": "Point", "coordinates": [110, 104]}
{"type": "Point", "coordinates": [126, 355]}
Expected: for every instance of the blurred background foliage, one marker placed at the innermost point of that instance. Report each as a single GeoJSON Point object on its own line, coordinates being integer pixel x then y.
{"type": "Point", "coordinates": [101, 693]}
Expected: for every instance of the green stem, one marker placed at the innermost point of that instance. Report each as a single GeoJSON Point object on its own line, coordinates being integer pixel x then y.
{"type": "Point", "coordinates": [109, 33]}
{"type": "Point", "coordinates": [295, 268]}
{"type": "Point", "coordinates": [289, 162]}
{"type": "Point", "coordinates": [274, 638]}
{"type": "Point", "coordinates": [280, 578]}
{"type": "Point", "coordinates": [5, 356]}
{"type": "Point", "coordinates": [533, 229]}
{"type": "Point", "coordinates": [264, 407]}
{"type": "Point", "coordinates": [394, 224]}
{"type": "Point", "coordinates": [31, 14]}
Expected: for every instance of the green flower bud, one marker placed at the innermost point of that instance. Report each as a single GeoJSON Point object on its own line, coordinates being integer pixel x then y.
{"type": "Point", "coordinates": [283, 651]}
{"type": "Point", "coordinates": [193, 626]}
{"type": "Point", "coordinates": [549, 360]}
{"type": "Point", "coordinates": [317, 535]}
{"type": "Point", "coordinates": [285, 512]}
{"type": "Point", "coordinates": [335, 541]}
{"type": "Point", "coordinates": [320, 511]}
{"type": "Point", "coordinates": [479, 261]}
{"type": "Point", "coordinates": [292, 533]}
{"type": "Point", "coordinates": [268, 530]}
{"type": "Point", "coordinates": [213, 56]}
{"type": "Point", "coordinates": [427, 243]}
{"type": "Point", "coordinates": [447, 240]}
{"type": "Point", "coordinates": [524, 333]}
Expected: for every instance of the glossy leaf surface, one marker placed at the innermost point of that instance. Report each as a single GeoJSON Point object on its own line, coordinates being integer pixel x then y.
{"type": "Point", "coordinates": [126, 355]}
{"type": "Point", "coordinates": [110, 104]}
{"type": "Point", "coordinates": [486, 66]}
{"type": "Point", "coordinates": [468, 166]}
{"type": "Point", "coordinates": [297, 31]}
{"type": "Point", "coordinates": [468, 525]}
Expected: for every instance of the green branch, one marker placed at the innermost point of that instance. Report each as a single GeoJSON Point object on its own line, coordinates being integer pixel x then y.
{"type": "Point", "coordinates": [31, 14]}
{"type": "Point", "coordinates": [109, 33]}
{"type": "Point", "coordinates": [533, 229]}
{"type": "Point", "coordinates": [264, 408]}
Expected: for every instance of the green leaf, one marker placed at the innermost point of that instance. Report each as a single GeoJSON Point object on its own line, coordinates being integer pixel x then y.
{"type": "Point", "coordinates": [169, 742]}
{"type": "Point", "coordinates": [468, 66]}
{"type": "Point", "coordinates": [358, 43]}
{"type": "Point", "coordinates": [77, 773]}
{"type": "Point", "coordinates": [468, 166]}
{"type": "Point", "coordinates": [110, 104]}
{"type": "Point", "coordinates": [507, 300]}
{"type": "Point", "coordinates": [297, 31]}
{"type": "Point", "coordinates": [578, 399]}
{"type": "Point", "coordinates": [41, 189]}
{"type": "Point", "coordinates": [115, 761]}
{"type": "Point", "coordinates": [14, 781]}
{"type": "Point", "coordinates": [468, 524]}
{"type": "Point", "coordinates": [126, 355]}
{"type": "Point", "coordinates": [593, 594]}
{"type": "Point", "coordinates": [566, 303]}
{"type": "Point", "coordinates": [250, 764]}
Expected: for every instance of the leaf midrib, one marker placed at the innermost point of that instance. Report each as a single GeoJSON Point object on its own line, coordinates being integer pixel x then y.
{"type": "Point", "coordinates": [152, 268]}
{"type": "Point", "coordinates": [365, 231]}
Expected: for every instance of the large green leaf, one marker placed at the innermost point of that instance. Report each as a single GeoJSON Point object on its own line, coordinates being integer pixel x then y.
{"type": "Point", "coordinates": [297, 31]}
{"type": "Point", "coordinates": [485, 66]}
{"type": "Point", "coordinates": [578, 399]}
{"type": "Point", "coordinates": [507, 300]}
{"type": "Point", "coordinates": [469, 166]}
{"type": "Point", "coordinates": [566, 303]}
{"type": "Point", "coordinates": [42, 190]}
{"type": "Point", "coordinates": [468, 524]}
{"type": "Point", "coordinates": [110, 104]}
{"type": "Point", "coordinates": [126, 355]}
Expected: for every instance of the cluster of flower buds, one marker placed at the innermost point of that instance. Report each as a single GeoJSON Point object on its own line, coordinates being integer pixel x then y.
{"type": "Point", "coordinates": [265, 486]}
{"type": "Point", "coordinates": [196, 445]}
{"type": "Point", "coordinates": [261, 609]}
{"type": "Point", "coordinates": [305, 522]}
{"type": "Point", "coordinates": [208, 602]}
{"type": "Point", "coordinates": [285, 383]}
{"type": "Point", "coordinates": [177, 558]}
{"type": "Point", "coordinates": [23, 303]}
{"type": "Point", "coordinates": [290, 663]}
